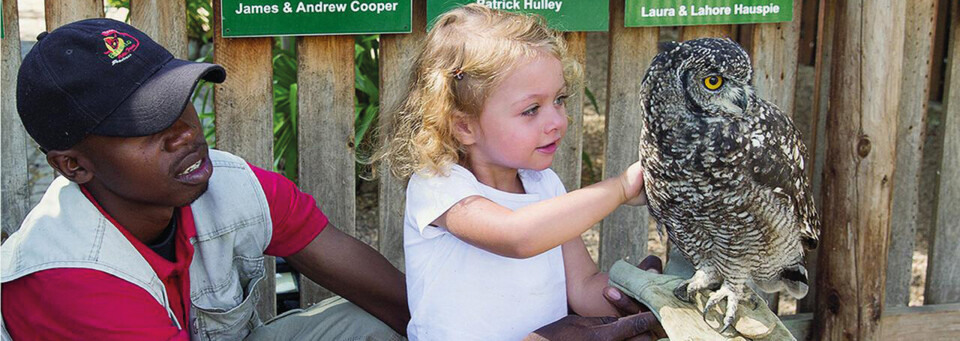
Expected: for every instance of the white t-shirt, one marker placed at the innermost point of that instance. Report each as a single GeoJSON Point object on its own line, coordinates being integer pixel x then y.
{"type": "Point", "coordinates": [460, 292]}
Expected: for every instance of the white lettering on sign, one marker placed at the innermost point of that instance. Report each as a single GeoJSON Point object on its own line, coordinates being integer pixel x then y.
{"type": "Point", "coordinates": [657, 12]}
{"type": "Point", "coordinates": [378, 7]}
{"type": "Point", "coordinates": [527, 4]}
{"type": "Point", "coordinates": [258, 9]}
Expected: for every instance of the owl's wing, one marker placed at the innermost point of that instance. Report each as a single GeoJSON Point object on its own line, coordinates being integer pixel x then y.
{"type": "Point", "coordinates": [776, 162]}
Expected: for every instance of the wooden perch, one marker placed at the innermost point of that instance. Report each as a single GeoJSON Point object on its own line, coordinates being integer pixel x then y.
{"type": "Point", "coordinates": [683, 321]}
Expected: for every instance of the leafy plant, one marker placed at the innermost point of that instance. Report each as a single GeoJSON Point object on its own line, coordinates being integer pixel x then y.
{"type": "Point", "coordinates": [285, 151]}
{"type": "Point", "coordinates": [367, 99]}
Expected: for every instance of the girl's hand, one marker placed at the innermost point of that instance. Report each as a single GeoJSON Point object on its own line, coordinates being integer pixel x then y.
{"type": "Point", "coordinates": [631, 182]}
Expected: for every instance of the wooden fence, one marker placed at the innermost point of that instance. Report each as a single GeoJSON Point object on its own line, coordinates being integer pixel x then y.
{"type": "Point", "coordinates": [875, 70]}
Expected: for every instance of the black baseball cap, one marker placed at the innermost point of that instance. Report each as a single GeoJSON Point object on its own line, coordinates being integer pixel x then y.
{"type": "Point", "coordinates": [103, 77]}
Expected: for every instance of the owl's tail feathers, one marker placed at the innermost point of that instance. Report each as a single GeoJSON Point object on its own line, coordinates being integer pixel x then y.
{"type": "Point", "coordinates": [794, 279]}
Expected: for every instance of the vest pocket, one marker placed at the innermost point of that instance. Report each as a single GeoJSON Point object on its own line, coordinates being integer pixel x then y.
{"type": "Point", "coordinates": [212, 322]}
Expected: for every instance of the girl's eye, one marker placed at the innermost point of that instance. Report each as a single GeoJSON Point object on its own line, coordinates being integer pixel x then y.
{"type": "Point", "coordinates": [561, 100]}
{"type": "Point", "coordinates": [530, 112]}
{"type": "Point", "coordinates": [713, 82]}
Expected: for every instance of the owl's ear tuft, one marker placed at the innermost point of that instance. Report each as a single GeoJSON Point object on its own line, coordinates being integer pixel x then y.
{"type": "Point", "coordinates": [668, 46]}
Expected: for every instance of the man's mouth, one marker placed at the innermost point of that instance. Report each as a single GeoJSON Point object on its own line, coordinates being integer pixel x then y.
{"type": "Point", "coordinates": [192, 168]}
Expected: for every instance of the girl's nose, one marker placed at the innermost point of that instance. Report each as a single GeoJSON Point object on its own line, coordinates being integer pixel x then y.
{"type": "Point", "coordinates": [557, 121]}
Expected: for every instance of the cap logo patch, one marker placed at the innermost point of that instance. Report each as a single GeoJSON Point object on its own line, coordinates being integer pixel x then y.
{"type": "Point", "coordinates": [119, 45]}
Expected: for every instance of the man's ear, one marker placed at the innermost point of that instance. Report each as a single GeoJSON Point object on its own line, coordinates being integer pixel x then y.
{"type": "Point", "coordinates": [464, 129]}
{"type": "Point", "coordinates": [67, 163]}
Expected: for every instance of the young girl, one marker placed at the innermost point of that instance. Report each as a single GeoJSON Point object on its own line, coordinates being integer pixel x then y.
{"type": "Point", "coordinates": [491, 238]}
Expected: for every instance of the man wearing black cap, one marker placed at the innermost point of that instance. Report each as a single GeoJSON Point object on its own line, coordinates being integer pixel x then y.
{"type": "Point", "coordinates": [151, 235]}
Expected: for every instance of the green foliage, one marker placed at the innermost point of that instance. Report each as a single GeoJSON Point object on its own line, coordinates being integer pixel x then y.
{"type": "Point", "coordinates": [285, 151]}
{"type": "Point", "coordinates": [367, 99]}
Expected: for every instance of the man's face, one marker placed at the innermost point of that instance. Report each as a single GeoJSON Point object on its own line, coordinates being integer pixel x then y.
{"type": "Point", "coordinates": [167, 169]}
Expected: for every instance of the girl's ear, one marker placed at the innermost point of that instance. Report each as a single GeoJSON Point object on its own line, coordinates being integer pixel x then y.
{"type": "Point", "coordinates": [67, 163]}
{"type": "Point", "coordinates": [464, 129]}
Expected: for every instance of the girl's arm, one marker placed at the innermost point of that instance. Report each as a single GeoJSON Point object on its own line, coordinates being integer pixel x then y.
{"type": "Point", "coordinates": [585, 282]}
{"type": "Point", "coordinates": [536, 228]}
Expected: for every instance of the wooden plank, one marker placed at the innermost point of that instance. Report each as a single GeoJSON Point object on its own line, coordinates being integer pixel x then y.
{"type": "Point", "coordinates": [807, 48]}
{"type": "Point", "coordinates": [773, 50]}
{"type": "Point", "coordinates": [624, 232]}
{"type": "Point", "coordinates": [60, 12]}
{"type": "Point", "coordinates": [397, 55]}
{"type": "Point", "coordinates": [694, 32]}
{"type": "Point", "coordinates": [939, 50]}
{"type": "Point", "coordinates": [568, 160]}
{"type": "Point", "coordinates": [826, 31]}
{"type": "Point", "coordinates": [244, 117]}
{"type": "Point", "coordinates": [861, 155]}
{"type": "Point", "coordinates": [931, 322]}
{"type": "Point", "coordinates": [164, 21]}
{"type": "Point", "coordinates": [327, 165]}
{"type": "Point", "coordinates": [13, 165]}
{"type": "Point", "coordinates": [915, 91]}
{"type": "Point", "coordinates": [943, 272]}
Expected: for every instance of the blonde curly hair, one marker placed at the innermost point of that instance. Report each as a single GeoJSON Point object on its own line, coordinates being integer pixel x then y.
{"type": "Point", "coordinates": [466, 55]}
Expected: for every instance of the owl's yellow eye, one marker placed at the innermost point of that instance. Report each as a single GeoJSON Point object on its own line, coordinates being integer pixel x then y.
{"type": "Point", "coordinates": [713, 82]}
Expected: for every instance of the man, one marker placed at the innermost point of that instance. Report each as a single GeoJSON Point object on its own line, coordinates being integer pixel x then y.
{"type": "Point", "coordinates": [148, 234]}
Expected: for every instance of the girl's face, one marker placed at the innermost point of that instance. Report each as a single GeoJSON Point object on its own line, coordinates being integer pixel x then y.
{"type": "Point", "coordinates": [523, 119]}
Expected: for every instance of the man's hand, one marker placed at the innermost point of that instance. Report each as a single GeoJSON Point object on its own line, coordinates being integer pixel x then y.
{"type": "Point", "coordinates": [624, 304]}
{"type": "Point", "coordinates": [578, 328]}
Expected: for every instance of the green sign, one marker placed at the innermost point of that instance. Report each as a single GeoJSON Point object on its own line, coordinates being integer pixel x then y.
{"type": "Point", "coordinates": [561, 15]}
{"type": "Point", "coordinates": [256, 18]}
{"type": "Point", "coordinates": [705, 12]}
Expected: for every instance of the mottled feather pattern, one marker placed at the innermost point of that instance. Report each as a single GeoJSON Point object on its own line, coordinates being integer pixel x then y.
{"type": "Point", "coordinates": [724, 171]}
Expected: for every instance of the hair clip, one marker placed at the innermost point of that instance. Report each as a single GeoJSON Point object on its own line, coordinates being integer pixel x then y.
{"type": "Point", "coordinates": [458, 74]}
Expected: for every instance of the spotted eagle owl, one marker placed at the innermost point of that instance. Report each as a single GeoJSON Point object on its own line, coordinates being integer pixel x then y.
{"type": "Point", "coordinates": [724, 174]}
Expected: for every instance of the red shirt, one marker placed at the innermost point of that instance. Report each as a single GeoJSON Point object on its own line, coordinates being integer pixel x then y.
{"type": "Point", "coordinates": [66, 303]}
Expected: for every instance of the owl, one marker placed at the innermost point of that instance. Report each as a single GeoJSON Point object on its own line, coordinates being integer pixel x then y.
{"type": "Point", "coordinates": [724, 174]}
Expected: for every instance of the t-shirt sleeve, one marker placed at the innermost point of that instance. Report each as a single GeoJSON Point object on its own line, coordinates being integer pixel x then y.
{"type": "Point", "coordinates": [429, 197]}
{"type": "Point", "coordinates": [296, 218]}
{"type": "Point", "coordinates": [84, 304]}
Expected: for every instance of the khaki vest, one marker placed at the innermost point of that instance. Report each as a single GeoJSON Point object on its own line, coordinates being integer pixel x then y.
{"type": "Point", "coordinates": [65, 230]}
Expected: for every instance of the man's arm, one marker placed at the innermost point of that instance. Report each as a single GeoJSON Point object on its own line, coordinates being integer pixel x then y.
{"type": "Point", "coordinates": [356, 272]}
{"type": "Point", "coordinates": [83, 304]}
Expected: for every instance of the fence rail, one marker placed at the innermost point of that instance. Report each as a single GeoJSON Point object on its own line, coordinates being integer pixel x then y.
{"type": "Point", "coordinates": [866, 130]}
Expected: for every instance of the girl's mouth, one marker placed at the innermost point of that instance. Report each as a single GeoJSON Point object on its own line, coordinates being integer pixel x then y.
{"type": "Point", "coordinates": [548, 149]}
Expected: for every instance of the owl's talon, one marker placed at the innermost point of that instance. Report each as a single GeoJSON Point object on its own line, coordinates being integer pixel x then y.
{"type": "Point", "coordinates": [681, 292]}
{"type": "Point", "coordinates": [726, 325]}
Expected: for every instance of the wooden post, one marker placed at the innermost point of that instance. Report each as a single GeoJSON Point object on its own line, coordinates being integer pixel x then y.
{"type": "Point", "coordinates": [164, 21]}
{"type": "Point", "coordinates": [821, 91]}
{"type": "Point", "coordinates": [915, 92]}
{"type": "Point", "coordinates": [244, 117]}
{"type": "Point", "coordinates": [808, 32]}
{"type": "Point", "coordinates": [569, 157]}
{"type": "Point", "coordinates": [861, 154]}
{"type": "Point", "coordinates": [327, 165]}
{"type": "Point", "coordinates": [695, 32]}
{"type": "Point", "coordinates": [773, 50]}
{"type": "Point", "coordinates": [943, 272]}
{"type": "Point", "coordinates": [13, 164]}
{"type": "Point", "coordinates": [59, 13]}
{"type": "Point", "coordinates": [624, 232]}
{"type": "Point", "coordinates": [397, 54]}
